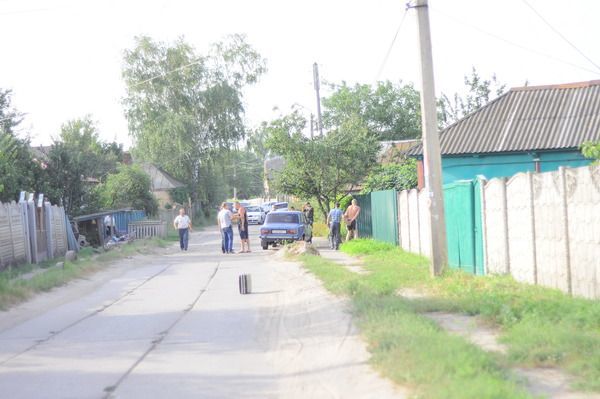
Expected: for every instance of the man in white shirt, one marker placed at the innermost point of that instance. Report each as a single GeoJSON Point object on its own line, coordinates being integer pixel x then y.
{"type": "Point", "coordinates": [109, 225]}
{"type": "Point", "coordinates": [224, 222]}
{"type": "Point", "coordinates": [183, 224]}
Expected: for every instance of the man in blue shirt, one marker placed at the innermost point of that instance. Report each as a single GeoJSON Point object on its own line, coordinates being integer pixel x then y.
{"type": "Point", "coordinates": [334, 219]}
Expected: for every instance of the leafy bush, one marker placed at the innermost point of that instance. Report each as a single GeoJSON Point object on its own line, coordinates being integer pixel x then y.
{"type": "Point", "coordinates": [591, 150]}
{"type": "Point", "coordinates": [394, 176]}
{"type": "Point", "coordinates": [129, 187]}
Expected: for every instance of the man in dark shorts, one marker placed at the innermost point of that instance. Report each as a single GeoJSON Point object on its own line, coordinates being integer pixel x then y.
{"type": "Point", "coordinates": [243, 227]}
{"type": "Point", "coordinates": [350, 216]}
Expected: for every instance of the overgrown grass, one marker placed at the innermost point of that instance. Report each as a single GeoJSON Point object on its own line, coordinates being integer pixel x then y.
{"type": "Point", "coordinates": [409, 348]}
{"type": "Point", "coordinates": [540, 326]}
{"type": "Point", "coordinates": [15, 289]}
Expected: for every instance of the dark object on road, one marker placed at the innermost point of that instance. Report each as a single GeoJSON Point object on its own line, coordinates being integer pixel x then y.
{"type": "Point", "coordinates": [245, 282]}
{"type": "Point", "coordinates": [284, 227]}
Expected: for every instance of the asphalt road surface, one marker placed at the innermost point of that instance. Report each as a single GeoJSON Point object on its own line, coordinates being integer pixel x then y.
{"type": "Point", "coordinates": [175, 326]}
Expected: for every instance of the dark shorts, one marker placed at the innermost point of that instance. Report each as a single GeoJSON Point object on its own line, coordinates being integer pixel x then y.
{"type": "Point", "coordinates": [352, 226]}
{"type": "Point", "coordinates": [243, 233]}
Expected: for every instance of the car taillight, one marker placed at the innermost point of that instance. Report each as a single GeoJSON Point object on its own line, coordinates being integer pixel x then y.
{"type": "Point", "coordinates": [291, 231]}
{"type": "Point", "coordinates": [264, 231]}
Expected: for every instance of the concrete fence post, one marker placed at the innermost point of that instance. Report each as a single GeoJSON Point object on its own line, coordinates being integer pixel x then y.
{"type": "Point", "coordinates": [505, 226]}
{"type": "Point", "coordinates": [565, 212]}
{"type": "Point", "coordinates": [482, 184]}
{"type": "Point", "coordinates": [532, 221]}
{"type": "Point", "coordinates": [11, 232]}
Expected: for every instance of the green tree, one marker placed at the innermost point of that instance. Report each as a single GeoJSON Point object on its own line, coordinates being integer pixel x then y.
{"type": "Point", "coordinates": [479, 92]}
{"type": "Point", "coordinates": [18, 170]}
{"type": "Point", "coordinates": [323, 168]}
{"type": "Point", "coordinates": [393, 176]}
{"type": "Point", "coordinates": [184, 109]}
{"type": "Point", "coordinates": [390, 111]}
{"type": "Point", "coordinates": [591, 150]}
{"type": "Point", "coordinates": [77, 161]}
{"type": "Point", "coordinates": [129, 187]}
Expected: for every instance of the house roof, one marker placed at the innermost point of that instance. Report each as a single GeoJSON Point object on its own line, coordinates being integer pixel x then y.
{"type": "Point", "coordinates": [159, 179]}
{"type": "Point", "coordinates": [528, 119]}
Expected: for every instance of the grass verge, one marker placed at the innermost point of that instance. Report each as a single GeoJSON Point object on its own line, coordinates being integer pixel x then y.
{"type": "Point", "coordinates": [540, 326]}
{"type": "Point", "coordinates": [15, 289]}
{"type": "Point", "coordinates": [409, 348]}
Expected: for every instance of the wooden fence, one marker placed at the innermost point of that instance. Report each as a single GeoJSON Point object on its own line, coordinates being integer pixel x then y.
{"type": "Point", "coordinates": [147, 228]}
{"type": "Point", "coordinates": [31, 232]}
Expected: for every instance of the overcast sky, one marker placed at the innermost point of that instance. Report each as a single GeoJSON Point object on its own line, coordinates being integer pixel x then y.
{"type": "Point", "coordinates": [63, 58]}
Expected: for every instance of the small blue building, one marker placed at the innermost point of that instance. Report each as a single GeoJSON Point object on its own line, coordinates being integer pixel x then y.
{"type": "Point", "coordinates": [534, 128]}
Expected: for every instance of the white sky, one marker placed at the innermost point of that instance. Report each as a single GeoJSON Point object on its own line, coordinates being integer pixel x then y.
{"type": "Point", "coordinates": [63, 58]}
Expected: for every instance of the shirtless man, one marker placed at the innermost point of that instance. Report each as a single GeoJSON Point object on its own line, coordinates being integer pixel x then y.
{"type": "Point", "coordinates": [350, 216]}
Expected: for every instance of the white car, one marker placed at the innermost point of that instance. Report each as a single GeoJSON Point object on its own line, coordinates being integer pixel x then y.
{"type": "Point", "coordinates": [255, 214]}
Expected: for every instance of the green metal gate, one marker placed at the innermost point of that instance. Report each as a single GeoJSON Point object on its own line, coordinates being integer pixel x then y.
{"type": "Point", "coordinates": [384, 214]}
{"type": "Point", "coordinates": [364, 222]}
{"type": "Point", "coordinates": [462, 203]}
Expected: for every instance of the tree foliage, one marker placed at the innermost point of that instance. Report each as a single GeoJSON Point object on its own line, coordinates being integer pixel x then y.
{"type": "Point", "coordinates": [479, 92]}
{"type": "Point", "coordinates": [393, 176]}
{"type": "Point", "coordinates": [184, 109]}
{"type": "Point", "coordinates": [129, 187]}
{"type": "Point", "coordinates": [591, 150]}
{"type": "Point", "coordinates": [325, 167]}
{"type": "Point", "coordinates": [18, 170]}
{"type": "Point", "coordinates": [390, 111]}
{"type": "Point", "coordinates": [77, 161]}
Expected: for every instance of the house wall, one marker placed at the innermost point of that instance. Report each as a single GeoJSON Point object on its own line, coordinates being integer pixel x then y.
{"type": "Point", "coordinates": [504, 165]}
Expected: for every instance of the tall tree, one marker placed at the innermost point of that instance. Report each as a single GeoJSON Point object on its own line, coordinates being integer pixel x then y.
{"type": "Point", "coordinates": [390, 111]}
{"type": "Point", "coordinates": [184, 108]}
{"type": "Point", "coordinates": [323, 168]}
{"type": "Point", "coordinates": [18, 171]}
{"type": "Point", "coordinates": [479, 92]}
{"type": "Point", "coordinates": [76, 162]}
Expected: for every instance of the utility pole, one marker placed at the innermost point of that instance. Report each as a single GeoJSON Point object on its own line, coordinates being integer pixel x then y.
{"type": "Point", "coordinates": [317, 89]}
{"type": "Point", "coordinates": [312, 126]}
{"type": "Point", "coordinates": [431, 145]}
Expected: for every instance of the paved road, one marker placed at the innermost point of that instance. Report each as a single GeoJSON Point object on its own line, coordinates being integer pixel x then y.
{"type": "Point", "coordinates": [174, 326]}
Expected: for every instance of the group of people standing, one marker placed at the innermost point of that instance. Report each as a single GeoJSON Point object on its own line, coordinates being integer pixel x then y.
{"type": "Point", "coordinates": [225, 220]}
{"type": "Point", "coordinates": [334, 222]}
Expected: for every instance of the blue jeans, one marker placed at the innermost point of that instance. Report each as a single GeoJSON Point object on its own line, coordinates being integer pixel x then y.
{"type": "Point", "coordinates": [334, 235]}
{"type": "Point", "coordinates": [227, 235]}
{"type": "Point", "coordinates": [184, 238]}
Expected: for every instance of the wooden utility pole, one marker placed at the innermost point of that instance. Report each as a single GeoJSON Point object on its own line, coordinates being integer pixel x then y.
{"type": "Point", "coordinates": [317, 89]}
{"type": "Point", "coordinates": [431, 145]}
{"type": "Point", "coordinates": [312, 126]}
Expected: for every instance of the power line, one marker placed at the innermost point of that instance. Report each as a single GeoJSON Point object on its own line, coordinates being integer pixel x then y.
{"type": "Point", "coordinates": [493, 35]}
{"type": "Point", "coordinates": [162, 75]}
{"type": "Point", "coordinates": [560, 34]}
{"type": "Point", "coordinates": [387, 54]}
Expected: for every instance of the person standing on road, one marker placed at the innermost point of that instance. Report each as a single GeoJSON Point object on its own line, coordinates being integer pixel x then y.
{"type": "Point", "coordinates": [333, 221]}
{"type": "Point", "coordinates": [243, 227]}
{"type": "Point", "coordinates": [350, 216]}
{"type": "Point", "coordinates": [224, 222]}
{"type": "Point", "coordinates": [309, 215]}
{"type": "Point", "coordinates": [183, 224]}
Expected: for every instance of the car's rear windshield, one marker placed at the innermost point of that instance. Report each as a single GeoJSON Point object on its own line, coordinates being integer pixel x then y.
{"type": "Point", "coordinates": [282, 218]}
{"type": "Point", "coordinates": [253, 209]}
{"type": "Point", "coordinates": [281, 205]}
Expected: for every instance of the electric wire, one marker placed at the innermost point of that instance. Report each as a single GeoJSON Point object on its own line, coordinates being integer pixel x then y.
{"type": "Point", "coordinates": [560, 34]}
{"type": "Point", "coordinates": [525, 48]}
{"type": "Point", "coordinates": [389, 51]}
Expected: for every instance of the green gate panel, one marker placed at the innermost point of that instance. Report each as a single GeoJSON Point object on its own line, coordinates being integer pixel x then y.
{"type": "Point", "coordinates": [462, 203]}
{"type": "Point", "coordinates": [384, 215]}
{"type": "Point", "coordinates": [364, 222]}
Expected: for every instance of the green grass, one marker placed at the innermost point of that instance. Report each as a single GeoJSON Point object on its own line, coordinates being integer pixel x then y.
{"type": "Point", "coordinates": [407, 347]}
{"type": "Point", "coordinates": [540, 326]}
{"type": "Point", "coordinates": [14, 289]}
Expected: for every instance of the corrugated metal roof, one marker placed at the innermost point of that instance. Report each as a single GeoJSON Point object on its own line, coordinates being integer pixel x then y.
{"type": "Point", "coordinates": [528, 119]}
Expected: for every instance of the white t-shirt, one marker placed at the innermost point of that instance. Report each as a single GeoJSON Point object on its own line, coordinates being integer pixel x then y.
{"type": "Point", "coordinates": [182, 222]}
{"type": "Point", "coordinates": [224, 218]}
{"type": "Point", "coordinates": [109, 221]}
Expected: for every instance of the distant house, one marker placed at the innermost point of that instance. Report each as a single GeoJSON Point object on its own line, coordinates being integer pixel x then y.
{"type": "Point", "coordinates": [527, 129]}
{"type": "Point", "coordinates": [161, 183]}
